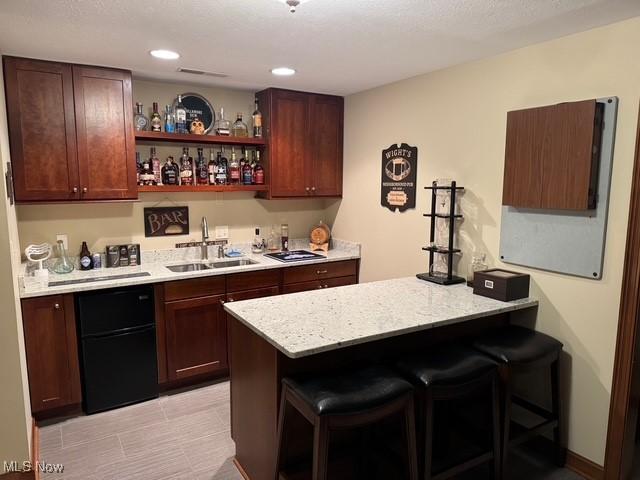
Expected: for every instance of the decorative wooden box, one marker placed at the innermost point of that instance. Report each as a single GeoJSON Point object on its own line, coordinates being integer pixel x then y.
{"type": "Point", "coordinates": [501, 284]}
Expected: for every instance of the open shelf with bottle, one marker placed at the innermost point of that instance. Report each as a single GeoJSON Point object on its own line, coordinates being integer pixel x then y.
{"type": "Point", "coordinates": [146, 137]}
{"type": "Point", "coordinates": [201, 188]}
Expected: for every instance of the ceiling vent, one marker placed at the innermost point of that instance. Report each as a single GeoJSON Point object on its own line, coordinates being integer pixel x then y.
{"type": "Point", "coordinates": [193, 71]}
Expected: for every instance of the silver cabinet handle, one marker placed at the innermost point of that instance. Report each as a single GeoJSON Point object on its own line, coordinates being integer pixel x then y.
{"type": "Point", "coordinates": [75, 189]}
{"type": "Point", "coordinates": [56, 306]}
{"type": "Point", "coordinates": [307, 189]}
{"type": "Point", "coordinates": [230, 300]}
{"type": "Point", "coordinates": [326, 286]}
{"type": "Point", "coordinates": [313, 189]}
{"type": "Point", "coordinates": [84, 190]}
{"type": "Point", "coordinates": [321, 272]}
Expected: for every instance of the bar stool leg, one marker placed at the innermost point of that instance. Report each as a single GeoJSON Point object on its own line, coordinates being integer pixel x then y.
{"type": "Point", "coordinates": [282, 432]}
{"type": "Point", "coordinates": [320, 449]}
{"type": "Point", "coordinates": [505, 379]}
{"type": "Point", "coordinates": [495, 403]}
{"type": "Point", "coordinates": [557, 412]}
{"type": "Point", "coordinates": [410, 437]}
{"type": "Point", "coordinates": [428, 439]}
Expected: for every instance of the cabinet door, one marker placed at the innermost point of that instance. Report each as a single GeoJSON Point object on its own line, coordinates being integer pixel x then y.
{"type": "Point", "coordinates": [196, 333]}
{"type": "Point", "coordinates": [42, 130]}
{"type": "Point", "coordinates": [52, 352]}
{"type": "Point", "coordinates": [106, 145]}
{"type": "Point", "coordinates": [319, 284]}
{"type": "Point", "coordinates": [326, 114]}
{"type": "Point", "coordinates": [289, 147]}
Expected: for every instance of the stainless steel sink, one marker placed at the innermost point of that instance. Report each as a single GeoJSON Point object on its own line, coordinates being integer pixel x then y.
{"type": "Point", "coordinates": [232, 263]}
{"type": "Point", "coordinates": [188, 267]}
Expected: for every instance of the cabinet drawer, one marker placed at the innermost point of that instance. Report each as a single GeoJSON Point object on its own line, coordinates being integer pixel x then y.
{"type": "Point", "coordinates": [196, 287]}
{"type": "Point", "coordinates": [319, 284]}
{"type": "Point", "coordinates": [319, 271]}
{"type": "Point", "coordinates": [252, 280]}
{"type": "Point", "coordinates": [249, 294]}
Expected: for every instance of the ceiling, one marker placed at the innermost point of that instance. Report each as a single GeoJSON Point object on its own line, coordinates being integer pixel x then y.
{"type": "Point", "coordinates": [337, 46]}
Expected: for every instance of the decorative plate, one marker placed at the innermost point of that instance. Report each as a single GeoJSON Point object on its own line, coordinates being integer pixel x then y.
{"type": "Point", "coordinates": [198, 106]}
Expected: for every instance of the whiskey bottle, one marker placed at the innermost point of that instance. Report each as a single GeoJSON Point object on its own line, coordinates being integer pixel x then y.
{"type": "Point", "coordinates": [169, 120]}
{"type": "Point", "coordinates": [170, 172]}
{"type": "Point", "coordinates": [239, 128]}
{"type": "Point", "coordinates": [247, 173]}
{"type": "Point", "coordinates": [186, 168]}
{"type": "Point", "coordinates": [223, 168]}
{"type": "Point", "coordinates": [86, 261]}
{"type": "Point", "coordinates": [138, 168]}
{"type": "Point", "coordinates": [257, 121]}
{"type": "Point", "coordinates": [156, 120]}
{"type": "Point", "coordinates": [212, 168]}
{"type": "Point", "coordinates": [202, 172]}
{"type": "Point", "coordinates": [155, 166]}
{"type": "Point", "coordinates": [258, 170]}
{"type": "Point", "coordinates": [140, 121]}
{"type": "Point", "coordinates": [234, 169]}
{"type": "Point", "coordinates": [223, 126]}
{"type": "Point", "coordinates": [181, 117]}
{"type": "Point", "coordinates": [146, 175]}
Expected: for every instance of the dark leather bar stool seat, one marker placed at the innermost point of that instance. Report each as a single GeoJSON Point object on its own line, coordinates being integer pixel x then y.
{"type": "Point", "coordinates": [446, 373]}
{"type": "Point", "coordinates": [521, 350]}
{"type": "Point", "coordinates": [346, 400]}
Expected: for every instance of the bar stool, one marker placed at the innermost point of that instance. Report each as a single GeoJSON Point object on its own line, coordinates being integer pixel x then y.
{"type": "Point", "coordinates": [521, 350]}
{"type": "Point", "coordinates": [445, 373]}
{"type": "Point", "coordinates": [347, 400]}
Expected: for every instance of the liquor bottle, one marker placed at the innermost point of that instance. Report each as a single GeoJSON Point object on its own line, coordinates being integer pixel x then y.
{"type": "Point", "coordinates": [257, 121]}
{"type": "Point", "coordinates": [140, 121]}
{"type": "Point", "coordinates": [258, 243]}
{"type": "Point", "coordinates": [181, 117]}
{"type": "Point", "coordinates": [223, 126]}
{"type": "Point", "coordinates": [247, 173]}
{"type": "Point", "coordinates": [212, 168]}
{"type": "Point", "coordinates": [156, 120]}
{"type": "Point", "coordinates": [202, 172]}
{"type": "Point", "coordinates": [258, 171]}
{"type": "Point", "coordinates": [234, 169]}
{"type": "Point", "coordinates": [285, 237]}
{"type": "Point", "coordinates": [186, 168]}
{"type": "Point", "coordinates": [169, 120]}
{"type": "Point", "coordinates": [138, 168]}
{"type": "Point", "coordinates": [223, 168]}
{"type": "Point", "coordinates": [146, 175]}
{"type": "Point", "coordinates": [170, 172]}
{"type": "Point", "coordinates": [155, 167]}
{"type": "Point", "coordinates": [86, 261]}
{"type": "Point", "coordinates": [239, 128]}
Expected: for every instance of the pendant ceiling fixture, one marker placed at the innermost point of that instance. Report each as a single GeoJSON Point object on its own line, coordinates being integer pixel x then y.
{"type": "Point", "coordinates": [293, 4]}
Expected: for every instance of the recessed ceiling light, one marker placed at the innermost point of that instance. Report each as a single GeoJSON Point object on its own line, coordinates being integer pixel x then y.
{"type": "Point", "coordinates": [165, 54]}
{"type": "Point", "coordinates": [283, 71]}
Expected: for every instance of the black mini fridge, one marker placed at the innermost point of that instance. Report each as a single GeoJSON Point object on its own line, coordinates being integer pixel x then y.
{"type": "Point", "coordinates": [118, 347]}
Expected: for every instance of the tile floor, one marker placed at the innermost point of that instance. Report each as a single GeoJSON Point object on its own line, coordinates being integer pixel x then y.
{"type": "Point", "coordinates": [183, 436]}
{"type": "Point", "coordinates": [179, 436]}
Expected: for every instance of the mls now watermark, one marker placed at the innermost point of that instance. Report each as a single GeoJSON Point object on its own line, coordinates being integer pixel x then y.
{"type": "Point", "coordinates": [27, 466]}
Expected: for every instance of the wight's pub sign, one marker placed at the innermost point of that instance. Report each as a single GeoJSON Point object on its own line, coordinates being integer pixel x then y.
{"type": "Point", "coordinates": [399, 173]}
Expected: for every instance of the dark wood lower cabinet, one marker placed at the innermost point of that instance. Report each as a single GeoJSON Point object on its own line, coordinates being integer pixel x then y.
{"type": "Point", "coordinates": [319, 284]}
{"type": "Point", "coordinates": [52, 352]}
{"type": "Point", "coordinates": [196, 336]}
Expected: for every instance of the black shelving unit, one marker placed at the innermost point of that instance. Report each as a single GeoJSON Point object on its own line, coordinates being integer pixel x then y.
{"type": "Point", "coordinates": [449, 251]}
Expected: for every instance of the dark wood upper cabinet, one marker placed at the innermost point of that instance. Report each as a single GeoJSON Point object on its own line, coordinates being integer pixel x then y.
{"type": "Point", "coordinates": [304, 134]}
{"type": "Point", "coordinates": [52, 352]}
{"type": "Point", "coordinates": [551, 156]}
{"type": "Point", "coordinates": [70, 130]}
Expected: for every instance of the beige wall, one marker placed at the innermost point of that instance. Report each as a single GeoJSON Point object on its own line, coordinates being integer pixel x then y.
{"type": "Point", "coordinates": [457, 119]}
{"type": "Point", "coordinates": [113, 223]}
{"type": "Point", "coordinates": [15, 413]}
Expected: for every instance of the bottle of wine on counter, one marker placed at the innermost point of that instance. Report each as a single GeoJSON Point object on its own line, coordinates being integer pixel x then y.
{"type": "Point", "coordinates": [212, 168]}
{"type": "Point", "coordinates": [223, 169]}
{"type": "Point", "coordinates": [239, 128]}
{"type": "Point", "coordinates": [156, 120]}
{"type": "Point", "coordinates": [186, 168]}
{"type": "Point", "coordinates": [169, 120]}
{"type": "Point", "coordinates": [247, 172]}
{"type": "Point", "coordinates": [181, 117]}
{"type": "Point", "coordinates": [257, 121]}
{"type": "Point", "coordinates": [258, 170]}
{"type": "Point", "coordinates": [155, 166]}
{"type": "Point", "coordinates": [140, 121]}
{"type": "Point", "coordinates": [202, 172]}
{"type": "Point", "coordinates": [223, 126]}
{"type": "Point", "coordinates": [234, 169]}
{"type": "Point", "coordinates": [86, 261]}
{"type": "Point", "coordinates": [170, 172]}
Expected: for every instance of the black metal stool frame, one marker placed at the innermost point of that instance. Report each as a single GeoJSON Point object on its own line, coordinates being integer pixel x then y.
{"type": "Point", "coordinates": [426, 398]}
{"type": "Point", "coordinates": [323, 424]}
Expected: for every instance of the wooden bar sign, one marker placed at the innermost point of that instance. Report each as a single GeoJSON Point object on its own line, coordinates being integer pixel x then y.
{"type": "Point", "coordinates": [399, 170]}
{"type": "Point", "coordinates": [164, 221]}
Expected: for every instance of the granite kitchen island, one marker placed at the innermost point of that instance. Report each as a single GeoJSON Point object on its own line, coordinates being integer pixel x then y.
{"type": "Point", "coordinates": [273, 337]}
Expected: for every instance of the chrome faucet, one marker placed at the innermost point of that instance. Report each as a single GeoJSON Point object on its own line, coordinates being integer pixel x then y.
{"type": "Point", "coordinates": [220, 251]}
{"type": "Point", "coordinates": [204, 253]}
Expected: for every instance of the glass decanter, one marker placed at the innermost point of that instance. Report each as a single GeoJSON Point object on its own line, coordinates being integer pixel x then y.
{"type": "Point", "coordinates": [62, 264]}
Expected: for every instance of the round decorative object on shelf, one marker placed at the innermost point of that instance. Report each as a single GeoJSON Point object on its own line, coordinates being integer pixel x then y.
{"type": "Point", "coordinates": [319, 237]}
{"type": "Point", "coordinates": [199, 109]}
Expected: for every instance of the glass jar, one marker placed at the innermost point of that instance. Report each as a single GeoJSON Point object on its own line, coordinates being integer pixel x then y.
{"type": "Point", "coordinates": [62, 264]}
{"type": "Point", "coordinates": [478, 264]}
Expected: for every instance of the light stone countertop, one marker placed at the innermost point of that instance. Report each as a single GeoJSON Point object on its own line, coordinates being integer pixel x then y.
{"type": "Point", "coordinates": [306, 323]}
{"type": "Point", "coordinates": [155, 263]}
